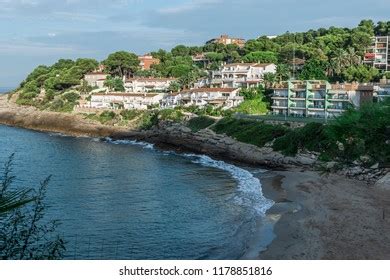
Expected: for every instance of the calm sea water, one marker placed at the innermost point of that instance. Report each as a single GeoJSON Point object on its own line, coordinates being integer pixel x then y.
{"type": "Point", "coordinates": [125, 200]}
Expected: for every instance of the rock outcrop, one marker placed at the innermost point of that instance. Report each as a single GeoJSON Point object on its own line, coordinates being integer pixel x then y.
{"type": "Point", "coordinates": [208, 142]}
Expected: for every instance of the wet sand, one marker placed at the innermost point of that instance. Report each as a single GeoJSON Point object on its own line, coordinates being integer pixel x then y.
{"type": "Point", "coordinates": [328, 217]}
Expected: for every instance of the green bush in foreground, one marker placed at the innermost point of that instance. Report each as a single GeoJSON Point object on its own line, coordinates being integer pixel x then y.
{"type": "Point", "coordinates": [25, 233]}
{"type": "Point", "coordinates": [199, 123]}
{"type": "Point", "coordinates": [250, 131]}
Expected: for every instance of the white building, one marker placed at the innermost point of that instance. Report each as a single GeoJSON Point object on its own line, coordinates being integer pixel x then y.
{"type": "Point", "coordinates": [241, 75]}
{"type": "Point", "coordinates": [116, 100]}
{"type": "Point", "coordinates": [217, 97]}
{"type": "Point", "coordinates": [148, 84]}
{"type": "Point", "coordinates": [382, 90]}
{"type": "Point", "coordinates": [96, 79]}
{"type": "Point", "coordinates": [378, 54]}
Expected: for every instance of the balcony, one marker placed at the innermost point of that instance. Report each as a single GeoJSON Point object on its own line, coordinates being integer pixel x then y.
{"type": "Point", "coordinates": [316, 107]}
{"type": "Point", "coordinates": [298, 97]}
{"type": "Point", "coordinates": [299, 88]}
{"type": "Point", "coordinates": [298, 106]}
{"type": "Point", "coordinates": [342, 97]}
{"type": "Point", "coordinates": [336, 108]}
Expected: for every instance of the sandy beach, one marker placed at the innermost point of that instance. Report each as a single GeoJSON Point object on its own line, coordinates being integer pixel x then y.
{"type": "Point", "coordinates": [326, 217]}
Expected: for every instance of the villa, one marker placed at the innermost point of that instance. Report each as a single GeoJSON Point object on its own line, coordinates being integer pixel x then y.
{"type": "Point", "coordinates": [318, 99]}
{"type": "Point", "coordinates": [119, 100]}
{"type": "Point", "coordinates": [148, 84]}
{"type": "Point", "coordinates": [241, 75]}
{"type": "Point", "coordinates": [96, 79]}
{"type": "Point", "coordinates": [216, 97]}
{"type": "Point", "coordinates": [146, 61]}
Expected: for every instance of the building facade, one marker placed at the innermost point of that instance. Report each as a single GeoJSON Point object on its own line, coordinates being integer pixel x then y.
{"type": "Point", "coordinates": [378, 54]}
{"type": "Point", "coordinates": [226, 40]}
{"type": "Point", "coordinates": [318, 99]}
{"type": "Point", "coordinates": [241, 75]}
{"type": "Point", "coordinates": [96, 79]}
{"type": "Point", "coordinates": [116, 100]}
{"type": "Point", "coordinates": [216, 97]}
{"type": "Point", "coordinates": [148, 84]}
{"type": "Point", "coordinates": [146, 61]}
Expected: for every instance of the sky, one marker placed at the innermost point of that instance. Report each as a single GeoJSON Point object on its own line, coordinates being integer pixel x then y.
{"type": "Point", "coordinates": [35, 32]}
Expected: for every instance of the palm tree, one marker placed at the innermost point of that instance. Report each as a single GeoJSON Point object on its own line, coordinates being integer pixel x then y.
{"type": "Point", "coordinates": [337, 62]}
{"type": "Point", "coordinates": [269, 79]}
{"type": "Point", "coordinates": [352, 57]}
{"type": "Point", "coordinates": [282, 72]}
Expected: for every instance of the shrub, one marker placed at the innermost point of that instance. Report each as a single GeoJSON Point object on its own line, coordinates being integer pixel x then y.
{"type": "Point", "coordinates": [310, 137]}
{"type": "Point", "coordinates": [106, 116]}
{"type": "Point", "coordinates": [199, 123]}
{"type": "Point", "coordinates": [130, 114]}
{"type": "Point", "coordinates": [249, 131]}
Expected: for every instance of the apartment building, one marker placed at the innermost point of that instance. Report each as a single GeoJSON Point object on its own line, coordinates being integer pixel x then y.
{"type": "Point", "coordinates": [382, 90]}
{"type": "Point", "coordinates": [378, 54]}
{"type": "Point", "coordinates": [96, 79]}
{"type": "Point", "coordinates": [216, 97]}
{"type": "Point", "coordinates": [226, 40]}
{"type": "Point", "coordinates": [146, 61]}
{"type": "Point", "coordinates": [241, 75]}
{"type": "Point", "coordinates": [115, 100]}
{"type": "Point", "coordinates": [318, 99]}
{"type": "Point", "coordinates": [148, 84]}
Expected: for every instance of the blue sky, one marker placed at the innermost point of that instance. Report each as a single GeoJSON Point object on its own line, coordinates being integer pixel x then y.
{"type": "Point", "coordinates": [37, 32]}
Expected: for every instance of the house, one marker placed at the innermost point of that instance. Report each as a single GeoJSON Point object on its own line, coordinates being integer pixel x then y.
{"type": "Point", "coordinates": [318, 99]}
{"type": "Point", "coordinates": [119, 100]}
{"type": "Point", "coordinates": [241, 75]}
{"type": "Point", "coordinates": [200, 59]}
{"type": "Point", "coordinates": [146, 61]}
{"type": "Point", "coordinates": [148, 84]}
{"type": "Point", "coordinates": [95, 79]}
{"type": "Point", "coordinates": [226, 40]}
{"type": "Point", "coordinates": [216, 97]}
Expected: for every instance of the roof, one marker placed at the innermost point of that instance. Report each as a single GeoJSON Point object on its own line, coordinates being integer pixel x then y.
{"type": "Point", "coordinates": [130, 94]}
{"type": "Point", "coordinates": [248, 64]}
{"type": "Point", "coordinates": [150, 79]}
{"type": "Point", "coordinates": [96, 73]}
{"type": "Point", "coordinates": [210, 90]}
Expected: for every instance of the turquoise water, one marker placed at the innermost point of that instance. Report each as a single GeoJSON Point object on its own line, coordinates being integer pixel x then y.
{"type": "Point", "coordinates": [125, 200]}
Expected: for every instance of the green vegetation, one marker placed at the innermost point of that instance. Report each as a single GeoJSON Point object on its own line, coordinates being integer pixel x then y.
{"type": "Point", "coordinates": [56, 87]}
{"type": "Point", "coordinates": [25, 234]}
{"type": "Point", "coordinates": [121, 63]}
{"type": "Point", "coordinates": [207, 111]}
{"type": "Point", "coordinates": [361, 135]}
{"type": "Point", "coordinates": [114, 84]}
{"type": "Point", "coordinates": [248, 131]}
{"type": "Point", "coordinates": [255, 102]}
{"type": "Point", "coordinates": [332, 54]}
{"type": "Point", "coordinates": [199, 123]}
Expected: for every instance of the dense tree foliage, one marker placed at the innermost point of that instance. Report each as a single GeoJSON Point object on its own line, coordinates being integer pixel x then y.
{"type": "Point", "coordinates": [333, 54]}
{"type": "Point", "coordinates": [122, 63]}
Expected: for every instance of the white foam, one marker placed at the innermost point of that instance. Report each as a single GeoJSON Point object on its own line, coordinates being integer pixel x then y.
{"type": "Point", "coordinates": [144, 145]}
{"type": "Point", "coordinates": [249, 187]}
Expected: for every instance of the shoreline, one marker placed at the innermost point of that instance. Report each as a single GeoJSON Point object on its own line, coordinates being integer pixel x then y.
{"type": "Point", "coordinates": [314, 217]}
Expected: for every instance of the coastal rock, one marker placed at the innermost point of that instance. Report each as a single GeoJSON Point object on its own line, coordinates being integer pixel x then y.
{"type": "Point", "coordinates": [384, 182]}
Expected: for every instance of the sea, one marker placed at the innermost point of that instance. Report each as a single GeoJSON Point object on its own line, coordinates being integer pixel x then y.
{"type": "Point", "coordinates": [127, 200]}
